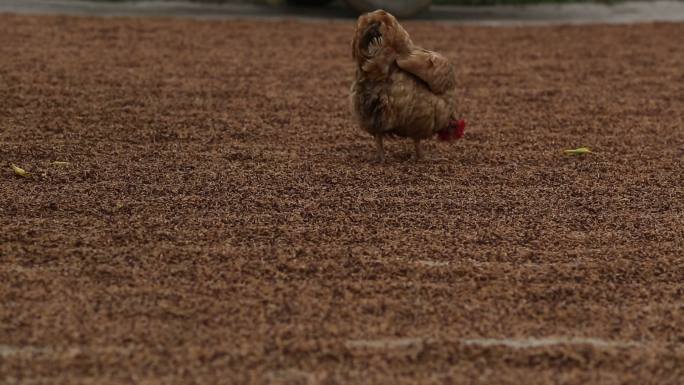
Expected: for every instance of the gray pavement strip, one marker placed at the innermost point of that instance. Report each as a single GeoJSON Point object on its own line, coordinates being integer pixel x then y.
{"type": "Point", "coordinates": [383, 344]}
{"type": "Point", "coordinates": [526, 343]}
{"type": "Point", "coordinates": [567, 13]}
{"type": "Point", "coordinates": [29, 350]}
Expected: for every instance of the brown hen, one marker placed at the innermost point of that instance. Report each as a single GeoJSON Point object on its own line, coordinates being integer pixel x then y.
{"type": "Point", "coordinates": [400, 89]}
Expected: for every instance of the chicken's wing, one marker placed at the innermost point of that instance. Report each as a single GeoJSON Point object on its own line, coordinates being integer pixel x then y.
{"type": "Point", "coordinates": [431, 67]}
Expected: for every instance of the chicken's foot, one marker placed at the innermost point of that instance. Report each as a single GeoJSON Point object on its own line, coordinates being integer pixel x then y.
{"type": "Point", "coordinates": [379, 149]}
{"type": "Point", "coordinates": [419, 149]}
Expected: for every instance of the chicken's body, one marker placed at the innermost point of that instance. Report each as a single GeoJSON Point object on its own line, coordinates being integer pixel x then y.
{"type": "Point", "coordinates": [401, 104]}
{"type": "Point", "coordinates": [400, 89]}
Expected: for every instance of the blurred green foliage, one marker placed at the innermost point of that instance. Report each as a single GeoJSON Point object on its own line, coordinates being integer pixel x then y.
{"type": "Point", "coordinates": [516, 2]}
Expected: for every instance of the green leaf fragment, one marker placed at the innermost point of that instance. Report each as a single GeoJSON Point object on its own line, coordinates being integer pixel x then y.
{"type": "Point", "coordinates": [578, 151]}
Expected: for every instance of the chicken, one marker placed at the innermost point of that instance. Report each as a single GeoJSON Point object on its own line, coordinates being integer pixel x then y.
{"type": "Point", "coordinates": [400, 89]}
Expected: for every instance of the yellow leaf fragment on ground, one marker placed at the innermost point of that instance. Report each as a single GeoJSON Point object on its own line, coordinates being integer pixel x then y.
{"type": "Point", "coordinates": [19, 171]}
{"type": "Point", "coordinates": [578, 151]}
{"type": "Point", "coordinates": [58, 163]}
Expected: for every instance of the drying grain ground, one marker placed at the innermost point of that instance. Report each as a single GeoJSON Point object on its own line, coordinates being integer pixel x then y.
{"type": "Point", "coordinates": [220, 219]}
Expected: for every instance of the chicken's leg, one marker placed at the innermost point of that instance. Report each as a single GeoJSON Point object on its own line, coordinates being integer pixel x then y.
{"type": "Point", "coordinates": [379, 148]}
{"type": "Point", "coordinates": [419, 149]}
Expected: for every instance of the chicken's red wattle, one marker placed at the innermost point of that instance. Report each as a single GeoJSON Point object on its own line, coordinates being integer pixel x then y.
{"type": "Point", "coordinates": [455, 130]}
